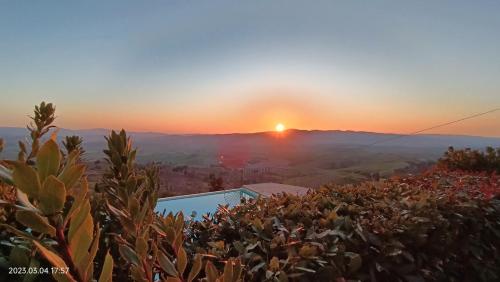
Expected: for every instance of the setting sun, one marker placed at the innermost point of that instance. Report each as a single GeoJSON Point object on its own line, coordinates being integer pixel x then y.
{"type": "Point", "coordinates": [280, 127]}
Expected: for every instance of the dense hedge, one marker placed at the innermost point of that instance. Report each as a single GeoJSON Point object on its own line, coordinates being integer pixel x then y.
{"type": "Point", "coordinates": [439, 226]}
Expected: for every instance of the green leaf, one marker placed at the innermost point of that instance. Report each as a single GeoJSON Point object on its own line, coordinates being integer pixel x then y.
{"type": "Point", "coordinates": [166, 264]}
{"type": "Point", "coordinates": [179, 222]}
{"type": "Point", "coordinates": [195, 269]}
{"type": "Point", "coordinates": [82, 241]}
{"type": "Point", "coordinates": [35, 222]}
{"type": "Point", "coordinates": [54, 259]}
{"type": "Point", "coordinates": [274, 264]}
{"type": "Point", "coordinates": [237, 269]}
{"type": "Point", "coordinates": [355, 262]}
{"type": "Point", "coordinates": [228, 271]}
{"type": "Point", "coordinates": [181, 260]}
{"type": "Point", "coordinates": [211, 272]}
{"type": "Point", "coordinates": [107, 269]}
{"type": "Point", "coordinates": [78, 219]}
{"type": "Point", "coordinates": [23, 199]}
{"type": "Point", "coordinates": [52, 196]}
{"type": "Point", "coordinates": [71, 174]}
{"type": "Point", "coordinates": [139, 217]}
{"type": "Point", "coordinates": [34, 263]}
{"type": "Point", "coordinates": [48, 159]}
{"type": "Point", "coordinates": [26, 179]}
{"type": "Point", "coordinates": [128, 254]}
{"type": "Point", "coordinates": [18, 257]}
{"type": "Point", "coordinates": [86, 264]}
{"type": "Point", "coordinates": [6, 175]}
{"type": "Point", "coordinates": [179, 238]}
{"type": "Point", "coordinates": [81, 235]}
{"type": "Point", "coordinates": [79, 200]}
{"type": "Point", "coordinates": [133, 206]}
{"type": "Point", "coordinates": [141, 246]}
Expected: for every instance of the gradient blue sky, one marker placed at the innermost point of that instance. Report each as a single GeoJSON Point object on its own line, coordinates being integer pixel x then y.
{"type": "Point", "coordinates": [234, 66]}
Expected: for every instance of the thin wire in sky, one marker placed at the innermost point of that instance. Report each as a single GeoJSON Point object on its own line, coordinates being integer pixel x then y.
{"type": "Point", "coordinates": [432, 127]}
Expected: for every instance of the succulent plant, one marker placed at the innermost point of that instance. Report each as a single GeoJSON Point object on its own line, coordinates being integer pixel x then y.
{"type": "Point", "coordinates": [52, 208]}
{"type": "Point", "coordinates": [126, 203]}
{"type": "Point", "coordinates": [50, 217]}
{"type": "Point", "coordinates": [73, 143]}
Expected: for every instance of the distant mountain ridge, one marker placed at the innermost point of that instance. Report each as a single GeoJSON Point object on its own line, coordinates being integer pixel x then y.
{"type": "Point", "coordinates": [162, 145]}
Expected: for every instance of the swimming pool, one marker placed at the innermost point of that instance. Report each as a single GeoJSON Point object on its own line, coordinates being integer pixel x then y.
{"type": "Point", "coordinates": [204, 202]}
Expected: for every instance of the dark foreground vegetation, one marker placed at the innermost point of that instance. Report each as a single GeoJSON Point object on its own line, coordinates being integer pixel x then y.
{"type": "Point", "coordinates": [471, 160]}
{"type": "Point", "coordinates": [443, 225]}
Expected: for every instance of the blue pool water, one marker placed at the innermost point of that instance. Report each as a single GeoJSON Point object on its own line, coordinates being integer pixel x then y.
{"type": "Point", "coordinates": [203, 203]}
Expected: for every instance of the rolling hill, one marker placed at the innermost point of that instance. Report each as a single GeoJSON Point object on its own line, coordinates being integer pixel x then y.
{"type": "Point", "coordinates": [297, 157]}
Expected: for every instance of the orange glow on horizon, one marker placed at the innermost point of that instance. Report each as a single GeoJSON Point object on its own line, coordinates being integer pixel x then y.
{"type": "Point", "coordinates": [267, 110]}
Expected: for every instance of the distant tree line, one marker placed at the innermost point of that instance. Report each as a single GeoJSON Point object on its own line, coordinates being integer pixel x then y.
{"type": "Point", "coordinates": [471, 160]}
{"type": "Point", "coordinates": [216, 182]}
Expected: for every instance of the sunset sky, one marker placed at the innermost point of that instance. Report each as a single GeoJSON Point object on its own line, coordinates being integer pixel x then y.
{"type": "Point", "coordinates": [244, 66]}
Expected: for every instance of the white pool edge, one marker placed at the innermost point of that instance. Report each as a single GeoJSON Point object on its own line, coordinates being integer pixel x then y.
{"type": "Point", "coordinates": [242, 189]}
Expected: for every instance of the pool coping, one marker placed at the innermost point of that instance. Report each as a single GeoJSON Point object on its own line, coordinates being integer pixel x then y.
{"type": "Point", "coordinates": [241, 189]}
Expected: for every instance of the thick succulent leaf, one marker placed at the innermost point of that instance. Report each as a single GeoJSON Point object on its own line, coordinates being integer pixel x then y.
{"type": "Point", "coordinates": [283, 277]}
{"type": "Point", "coordinates": [17, 232]}
{"type": "Point", "coordinates": [141, 246]}
{"type": "Point", "coordinates": [52, 196]}
{"type": "Point", "coordinates": [179, 221]}
{"type": "Point", "coordinates": [128, 254]}
{"type": "Point", "coordinates": [34, 263]}
{"type": "Point", "coordinates": [18, 257]}
{"type": "Point", "coordinates": [107, 269]}
{"type": "Point", "coordinates": [26, 179]}
{"type": "Point", "coordinates": [86, 264]}
{"type": "Point", "coordinates": [72, 158]}
{"type": "Point", "coordinates": [354, 261]}
{"type": "Point", "coordinates": [195, 269]}
{"type": "Point", "coordinates": [48, 159]}
{"type": "Point", "coordinates": [139, 217]}
{"type": "Point", "coordinates": [54, 259]}
{"type": "Point", "coordinates": [179, 238]}
{"type": "Point", "coordinates": [211, 272]}
{"type": "Point", "coordinates": [80, 245]}
{"type": "Point", "coordinates": [274, 264]}
{"type": "Point", "coordinates": [237, 269]}
{"type": "Point", "coordinates": [81, 235]}
{"type": "Point", "coordinates": [78, 219]}
{"type": "Point", "coordinates": [23, 199]}
{"type": "Point", "coordinates": [71, 174]}
{"type": "Point", "coordinates": [228, 271]}
{"type": "Point", "coordinates": [138, 274]}
{"type": "Point", "coordinates": [133, 206]}
{"type": "Point", "coordinates": [79, 200]}
{"type": "Point", "coordinates": [181, 260]}
{"type": "Point", "coordinates": [6, 175]}
{"type": "Point", "coordinates": [167, 265]}
{"type": "Point", "coordinates": [35, 221]}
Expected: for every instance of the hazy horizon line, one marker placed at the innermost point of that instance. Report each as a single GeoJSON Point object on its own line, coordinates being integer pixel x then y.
{"type": "Point", "coordinates": [263, 132]}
